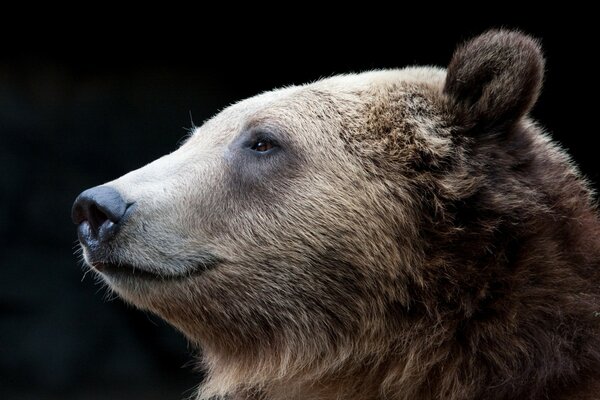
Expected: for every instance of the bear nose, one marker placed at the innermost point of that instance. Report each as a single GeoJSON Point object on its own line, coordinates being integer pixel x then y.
{"type": "Point", "coordinates": [98, 212]}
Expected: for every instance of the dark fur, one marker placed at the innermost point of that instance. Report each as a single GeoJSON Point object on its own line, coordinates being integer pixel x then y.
{"type": "Point", "coordinates": [506, 303]}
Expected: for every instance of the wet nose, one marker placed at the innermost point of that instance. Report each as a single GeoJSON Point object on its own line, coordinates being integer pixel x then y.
{"type": "Point", "coordinates": [98, 212]}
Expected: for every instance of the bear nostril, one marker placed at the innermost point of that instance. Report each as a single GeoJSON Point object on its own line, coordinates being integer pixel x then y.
{"type": "Point", "coordinates": [102, 208]}
{"type": "Point", "coordinates": [96, 218]}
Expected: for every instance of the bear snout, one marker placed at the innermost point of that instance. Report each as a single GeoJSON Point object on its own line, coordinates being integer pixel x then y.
{"type": "Point", "coordinates": [99, 212]}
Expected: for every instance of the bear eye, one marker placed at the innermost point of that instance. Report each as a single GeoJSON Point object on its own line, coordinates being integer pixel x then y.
{"type": "Point", "coordinates": [262, 146]}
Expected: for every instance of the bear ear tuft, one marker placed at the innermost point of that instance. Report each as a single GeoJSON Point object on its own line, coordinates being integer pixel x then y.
{"type": "Point", "coordinates": [494, 79]}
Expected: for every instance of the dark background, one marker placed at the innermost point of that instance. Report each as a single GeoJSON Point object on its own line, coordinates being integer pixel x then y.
{"type": "Point", "coordinates": [84, 107]}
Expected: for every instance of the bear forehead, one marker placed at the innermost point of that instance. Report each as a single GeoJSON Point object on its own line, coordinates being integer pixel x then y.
{"type": "Point", "coordinates": [332, 97]}
{"type": "Point", "coordinates": [367, 84]}
{"type": "Point", "coordinates": [431, 76]}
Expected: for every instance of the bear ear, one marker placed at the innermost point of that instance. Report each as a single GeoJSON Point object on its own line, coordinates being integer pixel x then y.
{"type": "Point", "coordinates": [494, 79]}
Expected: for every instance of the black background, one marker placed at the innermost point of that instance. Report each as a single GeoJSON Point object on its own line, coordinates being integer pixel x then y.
{"type": "Point", "coordinates": [85, 106]}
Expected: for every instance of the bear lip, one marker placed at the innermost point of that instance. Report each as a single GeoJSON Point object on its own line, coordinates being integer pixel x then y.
{"type": "Point", "coordinates": [130, 271]}
{"type": "Point", "coordinates": [112, 269]}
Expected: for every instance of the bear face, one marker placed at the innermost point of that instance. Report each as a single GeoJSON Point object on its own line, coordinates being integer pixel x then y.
{"type": "Point", "coordinates": [381, 235]}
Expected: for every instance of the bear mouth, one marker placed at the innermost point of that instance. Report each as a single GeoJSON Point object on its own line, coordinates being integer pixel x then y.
{"type": "Point", "coordinates": [129, 271]}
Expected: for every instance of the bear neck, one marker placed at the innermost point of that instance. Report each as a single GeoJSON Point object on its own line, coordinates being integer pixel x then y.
{"type": "Point", "coordinates": [507, 303]}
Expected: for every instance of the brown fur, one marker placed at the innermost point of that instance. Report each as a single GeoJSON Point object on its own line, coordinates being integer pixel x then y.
{"type": "Point", "coordinates": [425, 240]}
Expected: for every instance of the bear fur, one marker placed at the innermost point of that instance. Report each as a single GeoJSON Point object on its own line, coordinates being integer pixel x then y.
{"type": "Point", "coordinates": [407, 234]}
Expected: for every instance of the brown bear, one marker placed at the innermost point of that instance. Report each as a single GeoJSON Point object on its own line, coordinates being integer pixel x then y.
{"type": "Point", "coordinates": [401, 234]}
